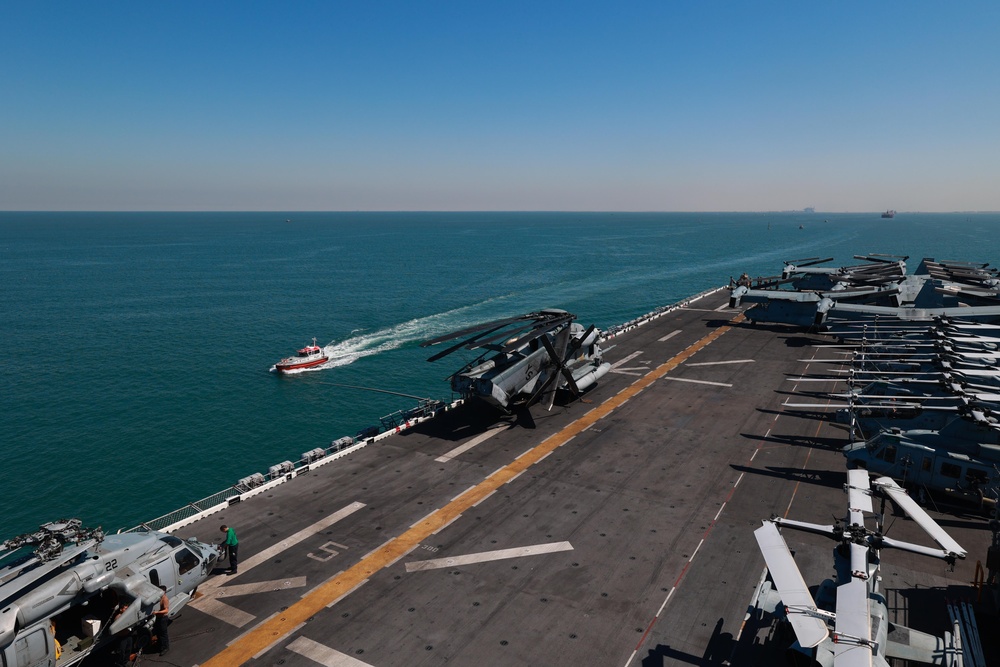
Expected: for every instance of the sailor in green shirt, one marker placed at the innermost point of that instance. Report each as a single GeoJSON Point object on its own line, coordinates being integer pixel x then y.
{"type": "Point", "coordinates": [232, 547]}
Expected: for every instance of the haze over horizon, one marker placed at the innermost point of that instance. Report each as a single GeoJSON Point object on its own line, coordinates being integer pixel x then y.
{"type": "Point", "coordinates": [555, 106]}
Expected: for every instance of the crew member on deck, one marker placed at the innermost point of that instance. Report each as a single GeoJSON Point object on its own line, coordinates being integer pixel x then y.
{"type": "Point", "coordinates": [232, 547]}
{"type": "Point", "coordinates": [162, 621]}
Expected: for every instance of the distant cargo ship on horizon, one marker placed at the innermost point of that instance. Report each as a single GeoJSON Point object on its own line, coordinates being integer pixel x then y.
{"type": "Point", "coordinates": [889, 214]}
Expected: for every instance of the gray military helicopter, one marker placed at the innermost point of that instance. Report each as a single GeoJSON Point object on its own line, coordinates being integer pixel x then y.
{"type": "Point", "coordinates": [526, 358]}
{"type": "Point", "coordinates": [70, 591]}
{"type": "Point", "coordinates": [814, 288]}
{"type": "Point", "coordinates": [935, 289]}
{"type": "Point", "coordinates": [950, 461]}
{"type": "Point", "coordinates": [847, 623]}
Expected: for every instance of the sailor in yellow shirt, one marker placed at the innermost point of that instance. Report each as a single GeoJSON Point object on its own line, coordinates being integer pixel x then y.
{"type": "Point", "coordinates": [52, 629]}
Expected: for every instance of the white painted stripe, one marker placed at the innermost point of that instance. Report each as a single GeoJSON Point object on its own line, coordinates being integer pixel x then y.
{"type": "Point", "coordinates": [664, 605]}
{"type": "Point", "coordinates": [722, 307]}
{"type": "Point", "coordinates": [260, 587]}
{"type": "Point", "coordinates": [274, 550]}
{"type": "Point", "coordinates": [381, 546]}
{"type": "Point", "coordinates": [225, 613]}
{"type": "Point", "coordinates": [716, 384]}
{"type": "Point", "coordinates": [478, 440]}
{"type": "Point", "coordinates": [249, 630]}
{"type": "Point", "coordinates": [486, 556]}
{"type": "Point", "coordinates": [346, 593]}
{"type": "Point", "coordinates": [323, 655]}
{"type": "Point", "coordinates": [515, 477]}
{"type": "Point", "coordinates": [457, 517]}
{"type": "Point", "coordinates": [399, 557]}
{"type": "Point", "coordinates": [625, 360]}
{"type": "Point", "coordinates": [669, 335]}
{"type": "Point", "coordinates": [719, 513]}
{"type": "Point", "coordinates": [624, 372]}
{"type": "Point", "coordinates": [278, 640]}
{"type": "Point", "coordinates": [212, 589]}
{"type": "Point", "coordinates": [485, 497]}
{"type": "Point", "coordinates": [740, 478]}
{"type": "Point", "coordinates": [463, 492]}
{"type": "Point", "coordinates": [719, 363]}
{"type": "Point", "coordinates": [700, 542]}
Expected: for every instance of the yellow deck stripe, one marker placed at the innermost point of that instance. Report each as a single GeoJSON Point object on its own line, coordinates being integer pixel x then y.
{"type": "Point", "coordinates": [273, 630]}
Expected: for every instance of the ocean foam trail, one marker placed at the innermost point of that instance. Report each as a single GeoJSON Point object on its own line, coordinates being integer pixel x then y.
{"type": "Point", "coordinates": [390, 338]}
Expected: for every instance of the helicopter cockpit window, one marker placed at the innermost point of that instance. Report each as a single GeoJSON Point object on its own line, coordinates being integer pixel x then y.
{"type": "Point", "coordinates": [171, 540]}
{"type": "Point", "coordinates": [976, 478]}
{"type": "Point", "coordinates": [186, 561]}
{"type": "Point", "coordinates": [951, 470]}
{"type": "Point", "coordinates": [888, 454]}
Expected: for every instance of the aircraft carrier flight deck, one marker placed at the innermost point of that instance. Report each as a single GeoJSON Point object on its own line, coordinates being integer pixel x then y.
{"type": "Point", "coordinates": [616, 529]}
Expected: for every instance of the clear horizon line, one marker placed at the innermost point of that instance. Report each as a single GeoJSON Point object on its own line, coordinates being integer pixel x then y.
{"type": "Point", "coordinates": [601, 211]}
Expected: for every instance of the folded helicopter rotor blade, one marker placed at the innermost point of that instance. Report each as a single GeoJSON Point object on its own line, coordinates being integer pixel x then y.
{"type": "Point", "coordinates": [545, 389]}
{"type": "Point", "coordinates": [562, 344]}
{"type": "Point", "coordinates": [853, 645]}
{"type": "Point", "coordinates": [859, 495]}
{"type": "Point", "coordinates": [459, 345]}
{"type": "Point", "coordinates": [517, 336]}
{"type": "Point", "coordinates": [917, 513]}
{"type": "Point", "coordinates": [810, 630]}
{"type": "Point", "coordinates": [492, 326]}
{"type": "Point", "coordinates": [810, 261]}
{"type": "Point", "coordinates": [556, 353]}
{"type": "Point", "coordinates": [570, 380]}
{"type": "Point", "coordinates": [538, 331]}
{"type": "Point", "coordinates": [801, 262]}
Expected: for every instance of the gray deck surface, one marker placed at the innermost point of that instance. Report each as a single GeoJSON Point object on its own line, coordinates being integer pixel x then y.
{"type": "Point", "coordinates": [657, 500]}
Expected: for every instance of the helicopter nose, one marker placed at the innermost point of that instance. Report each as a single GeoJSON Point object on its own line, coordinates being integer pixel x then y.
{"type": "Point", "coordinates": [212, 557]}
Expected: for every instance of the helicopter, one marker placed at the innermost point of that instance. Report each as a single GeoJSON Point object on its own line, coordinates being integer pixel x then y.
{"type": "Point", "coordinates": [935, 289]}
{"type": "Point", "coordinates": [945, 461]}
{"type": "Point", "coordinates": [813, 287]}
{"type": "Point", "coordinates": [526, 358]}
{"type": "Point", "coordinates": [847, 623]}
{"type": "Point", "coordinates": [69, 591]}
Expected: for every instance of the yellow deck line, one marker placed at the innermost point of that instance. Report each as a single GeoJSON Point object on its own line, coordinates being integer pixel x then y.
{"type": "Point", "coordinates": [272, 631]}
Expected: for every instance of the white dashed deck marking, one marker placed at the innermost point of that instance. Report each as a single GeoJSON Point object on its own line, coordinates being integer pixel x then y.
{"type": "Point", "coordinates": [486, 556]}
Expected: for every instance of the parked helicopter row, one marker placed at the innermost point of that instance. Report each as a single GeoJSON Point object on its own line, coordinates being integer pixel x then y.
{"type": "Point", "coordinates": [922, 404]}
{"type": "Point", "coordinates": [809, 295]}
{"type": "Point", "coordinates": [920, 398]}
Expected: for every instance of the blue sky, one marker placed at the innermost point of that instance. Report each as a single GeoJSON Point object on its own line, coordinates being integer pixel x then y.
{"type": "Point", "coordinates": [666, 106]}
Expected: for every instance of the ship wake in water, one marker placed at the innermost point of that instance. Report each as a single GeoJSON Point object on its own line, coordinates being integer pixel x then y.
{"type": "Point", "coordinates": [393, 337]}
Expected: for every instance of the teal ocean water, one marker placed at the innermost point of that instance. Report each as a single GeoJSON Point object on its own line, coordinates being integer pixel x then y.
{"type": "Point", "coordinates": [136, 347]}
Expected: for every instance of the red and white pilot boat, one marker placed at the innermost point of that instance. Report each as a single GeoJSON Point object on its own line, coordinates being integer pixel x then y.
{"type": "Point", "coordinates": [307, 357]}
